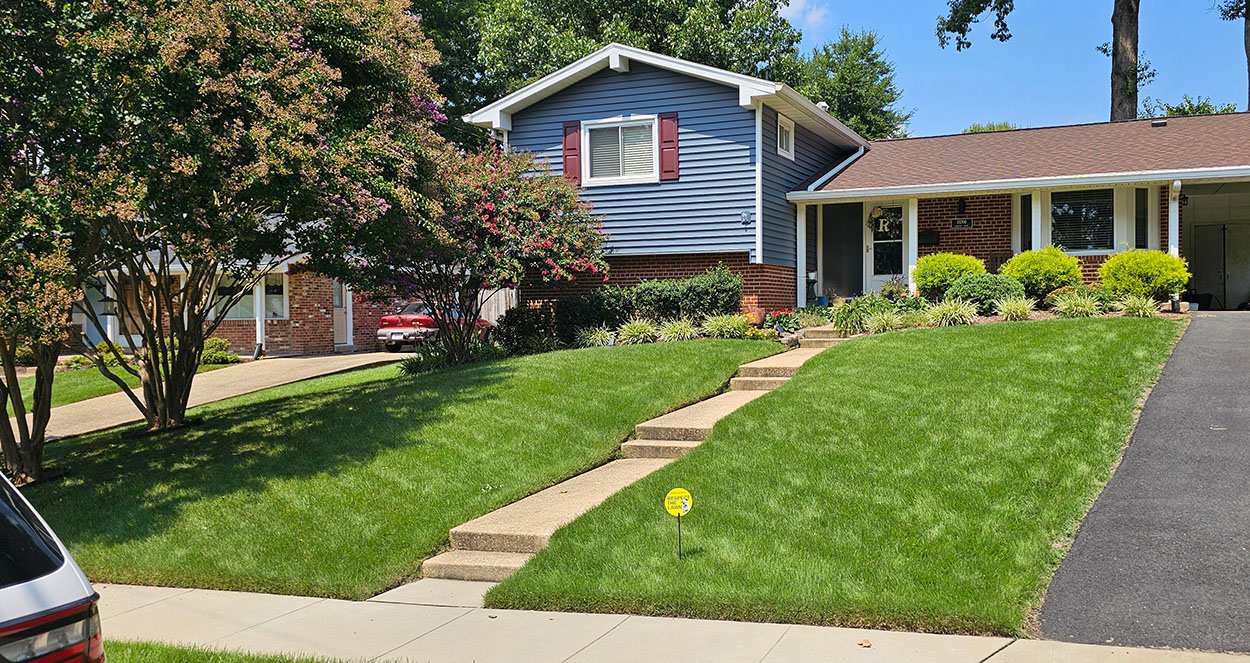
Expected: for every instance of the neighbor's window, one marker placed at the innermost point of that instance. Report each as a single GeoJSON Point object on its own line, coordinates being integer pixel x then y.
{"type": "Point", "coordinates": [785, 137]}
{"type": "Point", "coordinates": [1083, 220]}
{"type": "Point", "coordinates": [1026, 222]}
{"type": "Point", "coordinates": [622, 151]}
{"type": "Point", "coordinates": [275, 296]}
{"type": "Point", "coordinates": [245, 308]}
{"type": "Point", "coordinates": [1141, 210]}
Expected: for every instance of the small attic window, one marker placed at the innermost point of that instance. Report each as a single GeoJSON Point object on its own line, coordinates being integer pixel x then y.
{"type": "Point", "coordinates": [785, 137]}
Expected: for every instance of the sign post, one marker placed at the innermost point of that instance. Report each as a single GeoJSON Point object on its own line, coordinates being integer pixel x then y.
{"type": "Point", "coordinates": [678, 502]}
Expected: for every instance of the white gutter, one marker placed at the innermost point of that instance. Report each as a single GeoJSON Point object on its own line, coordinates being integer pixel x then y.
{"type": "Point", "coordinates": [837, 169]}
{"type": "Point", "coordinates": [1129, 177]}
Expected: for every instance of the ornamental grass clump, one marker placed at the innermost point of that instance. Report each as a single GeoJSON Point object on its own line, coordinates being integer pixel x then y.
{"type": "Point", "coordinates": [680, 329]}
{"type": "Point", "coordinates": [595, 337]}
{"type": "Point", "coordinates": [637, 330]}
{"type": "Point", "coordinates": [850, 318]}
{"type": "Point", "coordinates": [727, 326]}
{"type": "Point", "coordinates": [1138, 306]}
{"type": "Point", "coordinates": [914, 319]}
{"type": "Point", "coordinates": [1014, 309]}
{"type": "Point", "coordinates": [952, 312]}
{"type": "Point", "coordinates": [1077, 305]}
{"type": "Point", "coordinates": [883, 321]}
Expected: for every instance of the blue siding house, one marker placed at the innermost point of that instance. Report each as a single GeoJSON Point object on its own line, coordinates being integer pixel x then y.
{"type": "Point", "coordinates": [687, 165]}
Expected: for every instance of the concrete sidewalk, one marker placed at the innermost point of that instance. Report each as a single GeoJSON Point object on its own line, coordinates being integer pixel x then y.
{"type": "Point", "coordinates": [439, 621]}
{"type": "Point", "coordinates": [111, 410]}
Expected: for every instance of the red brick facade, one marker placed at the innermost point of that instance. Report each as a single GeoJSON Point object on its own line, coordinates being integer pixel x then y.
{"type": "Point", "coordinates": [765, 286]}
{"type": "Point", "coordinates": [989, 238]}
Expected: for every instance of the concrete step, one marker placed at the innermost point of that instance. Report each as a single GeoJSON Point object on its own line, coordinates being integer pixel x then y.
{"type": "Point", "coordinates": [525, 526]}
{"type": "Point", "coordinates": [694, 422]}
{"type": "Point", "coordinates": [781, 365]}
{"type": "Point", "coordinates": [819, 343]}
{"type": "Point", "coordinates": [657, 448]}
{"type": "Point", "coordinates": [756, 384]}
{"type": "Point", "coordinates": [475, 565]}
{"type": "Point", "coordinates": [822, 332]}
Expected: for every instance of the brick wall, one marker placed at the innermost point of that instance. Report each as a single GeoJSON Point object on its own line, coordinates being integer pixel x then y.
{"type": "Point", "coordinates": [989, 238]}
{"type": "Point", "coordinates": [765, 286]}
{"type": "Point", "coordinates": [366, 316]}
{"type": "Point", "coordinates": [308, 330]}
{"type": "Point", "coordinates": [1163, 221]}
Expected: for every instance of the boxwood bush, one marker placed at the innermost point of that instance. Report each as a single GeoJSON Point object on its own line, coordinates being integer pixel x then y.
{"type": "Point", "coordinates": [1043, 271]}
{"type": "Point", "coordinates": [936, 272]}
{"type": "Point", "coordinates": [717, 291]}
{"type": "Point", "coordinates": [521, 328]}
{"type": "Point", "coordinates": [984, 289]}
{"type": "Point", "coordinates": [1144, 274]}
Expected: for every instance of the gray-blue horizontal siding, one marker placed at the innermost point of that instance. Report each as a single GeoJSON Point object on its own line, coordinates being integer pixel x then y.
{"type": "Point", "coordinates": [701, 211]}
{"type": "Point", "coordinates": [812, 155]}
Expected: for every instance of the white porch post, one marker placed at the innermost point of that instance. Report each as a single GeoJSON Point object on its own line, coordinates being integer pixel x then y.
{"type": "Point", "coordinates": [800, 222]}
{"type": "Point", "coordinates": [258, 310]}
{"type": "Point", "coordinates": [820, 250]}
{"type": "Point", "coordinates": [1174, 219]}
{"type": "Point", "coordinates": [111, 322]}
{"type": "Point", "coordinates": [910, 241]}
{"type": "Point", "coordinates": [1036, 227]}
{"type": "Point", "coordinates": [351, 314]}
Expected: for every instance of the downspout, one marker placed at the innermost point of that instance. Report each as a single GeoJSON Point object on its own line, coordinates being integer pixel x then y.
{"type": "Point", "coordinates": [836, 169]}
{"type": "Point", "coordinates": [759, 183]}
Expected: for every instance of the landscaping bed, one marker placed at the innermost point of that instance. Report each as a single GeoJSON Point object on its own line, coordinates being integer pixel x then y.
{"type": "Point", "coordinates": [340, 486]}
{"type": "Point", "coordinates": [926, 480]}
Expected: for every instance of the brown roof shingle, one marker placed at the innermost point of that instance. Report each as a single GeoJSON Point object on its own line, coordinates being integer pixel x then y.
{"type": "Point", "coordinates": [1209, 141]}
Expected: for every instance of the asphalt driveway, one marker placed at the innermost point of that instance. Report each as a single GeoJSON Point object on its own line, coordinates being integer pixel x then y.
{"type": "Point", "coordinates": [1163, 559]}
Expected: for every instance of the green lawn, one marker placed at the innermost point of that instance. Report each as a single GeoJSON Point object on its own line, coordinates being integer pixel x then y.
{"type": "Point", "coordinates": [79, 385]}
{"type": "Point", "coordinates": [143, 652]}
{"type": "Point", "coordinates": [926, 480]}
{"type": "Point", "coordinates": [342, 485]}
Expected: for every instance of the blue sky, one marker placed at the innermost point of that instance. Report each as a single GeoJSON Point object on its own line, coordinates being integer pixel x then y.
{"type": "Point", "coordinates": [1049, 72]}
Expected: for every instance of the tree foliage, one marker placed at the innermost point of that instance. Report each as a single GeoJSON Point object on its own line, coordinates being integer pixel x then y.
{"type": "Point", "coordinates": [964, 14]}
{"type": "Point", "coordinates": [1231, 10]}
{"type": "Point", "coordinates": [856, 79]}
{"type": "Point", "coordinates": [1186, 106]}
{"type": "Point", "coordinates": [987, 127]}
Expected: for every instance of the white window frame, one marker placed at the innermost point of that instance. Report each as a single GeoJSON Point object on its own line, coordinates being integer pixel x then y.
{"type": "Point", "coordinates": [608, 123]}
{"type": "Point", "coordinates": [783, 121]}
{"type": "Point", "coordinates": [1120, 215]}
{"type": "Point", "coordinates": [286, 297]}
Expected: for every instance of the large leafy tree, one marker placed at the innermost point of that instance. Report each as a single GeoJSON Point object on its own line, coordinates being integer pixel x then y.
{"type": "Point", "coordinates": [1126, 72]}
{"type": "Point", "coordinates": [1232, 10]}
{"type": "Point", "coordinates": [1186, 106]}
{"type": "Point", "coordinates": [856, 79]}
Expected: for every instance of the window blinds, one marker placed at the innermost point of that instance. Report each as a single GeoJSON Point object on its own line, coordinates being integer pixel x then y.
{"type": "Point", "coordinates": [1083, 220]}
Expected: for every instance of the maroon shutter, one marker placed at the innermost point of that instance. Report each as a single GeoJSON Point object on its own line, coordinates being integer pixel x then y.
{"type": "Point", "coordinates": [668, 146]}
{"type": "Point", "coordinates": [573, 151]}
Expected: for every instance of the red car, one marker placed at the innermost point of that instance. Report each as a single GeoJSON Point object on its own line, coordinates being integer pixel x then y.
{"type": "Point", "coordinates": [413, 324]}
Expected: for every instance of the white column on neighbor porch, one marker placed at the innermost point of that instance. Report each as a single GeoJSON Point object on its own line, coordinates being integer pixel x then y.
{"type": "Point", "coordinates": [1174, 219]}
{"type": "Point", "coordinates": [820, 250]}
{"type": "Point", "coordinates": [258, 310]}
{"type": "Point", "coordinates": [111, 322]}
{"type": "Point", "coordinates": [800, 222]}
{"type": "Point", "coordinates": [1036, 227]}
{"type": "Point", "coordinates": [911, 241]}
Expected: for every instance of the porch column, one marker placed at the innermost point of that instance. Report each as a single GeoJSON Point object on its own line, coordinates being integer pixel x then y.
{"type": "Point", "coordinates": [1174, 219]}
{"type": "Point", "coordinates": [820, 250]}
{"type": "Point", "coordinates": [1036, 228]}
{"type": "Point", "coordinates": [111, 322]}
{"type": "Point", "coordinates": [910, 241]}
{"type": "Point", "coordinates": [800, 221]}
{"type": "Point", "coordinates": [258, 310]}
{"type": "Point", "coordinates": [350, 311]}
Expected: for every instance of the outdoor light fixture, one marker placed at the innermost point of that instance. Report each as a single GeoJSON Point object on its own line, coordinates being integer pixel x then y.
{"type": "Point", "coordinates": [962, 205]}
{"type": "Point", "coordinates": [746, 218]}
{"type": "Point", "coordinates": [111, 309]}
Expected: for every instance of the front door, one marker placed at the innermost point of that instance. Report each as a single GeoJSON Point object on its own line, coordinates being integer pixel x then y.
{"type": "Point", "coordinates": [883, 245]}
{"type": "Point", "coordinates": [340, 314]}
{"type": "Point", "coordinates": [1209, 265]}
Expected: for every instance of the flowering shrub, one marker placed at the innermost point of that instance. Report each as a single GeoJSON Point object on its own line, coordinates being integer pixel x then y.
{"type": "Point", "coordinates": [783, 320]}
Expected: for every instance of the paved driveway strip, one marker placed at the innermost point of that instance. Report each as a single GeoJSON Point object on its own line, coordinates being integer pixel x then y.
{"type": "Point", "coordinates": [111, 410]}
{"type": "Point", "coordinates": [1163, 559]}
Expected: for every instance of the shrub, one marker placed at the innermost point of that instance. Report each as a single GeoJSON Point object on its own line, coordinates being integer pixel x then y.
{"type": "Point", "coordinates": [913, 319]}
{"type": "Point", "coordinates": [936, 272]}
{"type": "Point", "coordinates": [728, 326]}
{"type": "Point", "coordinates": [717, 291]}
{"type": "Point", "coordinates": [783, 320]}
{"type": "Point", "coordinates": [1138, 306]}
{"type": "Point", "coordinates": [681, 329]}
{"type": "Point", "coordinates": [520, 329]}
{"type": "Point", "coordinates": [883, 321]}
{"type": "Point", "coordinates": [609, 306]}
{"type": "Point", "coordinates": [658, 299]}
{"type": "Point", "coordinates": [911, 304]}
{"type": "Point", "coordinates": [24, 356]}
{"type": "Point", "coordinates": [895, 286]}
{"type": "Point", "coordinates": [1043, 271]}
{"type": "Point", "coordinates": [1015, 308]}
{"type": "Point", "coordinates": [217, 351]}
{"type": "Point", "coordinates": [433, 356]}
{"type": "Point", "coordinates": [851, 317]}
{"type": "Point", "coordinates": [594, 337]}
{"type": "Point", "coordinates": [1144, 273]}
{"type": "Point", "coordinates": [1077, 305]}
{"type": "Point", "coordinates": [1095, 290]}
{"type": "Point", "coordinates": [984, 289]}
{"type": "Point", "coordinates": [638, 330]}
{"type": "Point", "coordinates": [952, 312]}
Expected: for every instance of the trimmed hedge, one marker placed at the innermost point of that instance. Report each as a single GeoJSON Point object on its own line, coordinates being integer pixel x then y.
{"type": "Point", "coordinates": [984, 290]}
{"type": "Point", "coordinates": [1144, 274]}
{"type": "Point", "coordinates": [936, 272]}
{"type": "Point", "coordinates": [1043, 271]}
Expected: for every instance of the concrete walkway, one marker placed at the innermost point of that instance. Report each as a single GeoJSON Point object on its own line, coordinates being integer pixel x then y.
{"type": "Point", "coordinates": [1164, 556]}
{"type": "Point", "coordinates": [440, 622]}
{"type": "Point", "coordinates": [495, 545]}
{"type": "Point", "coordinates": [111, 410]}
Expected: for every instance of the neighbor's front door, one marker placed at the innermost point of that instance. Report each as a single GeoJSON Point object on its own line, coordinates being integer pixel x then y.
{"type": "Point", "coordinates": [340, 314]}
{"type": "Point", "coordinates": [883, 245]}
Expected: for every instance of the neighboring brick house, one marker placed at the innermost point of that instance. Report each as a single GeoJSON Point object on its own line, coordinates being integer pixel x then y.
{"type": "Point", "coordinates": [689, 165]}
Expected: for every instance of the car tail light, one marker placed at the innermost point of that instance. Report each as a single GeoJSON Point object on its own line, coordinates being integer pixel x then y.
{"type": "Point", "coordinates": [68, 636]}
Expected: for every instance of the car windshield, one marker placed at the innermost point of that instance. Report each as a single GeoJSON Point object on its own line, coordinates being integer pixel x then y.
{"type": "Point", "coordinates": [415, 309]}
{"type": "Point", "coordinates": [27, 550]}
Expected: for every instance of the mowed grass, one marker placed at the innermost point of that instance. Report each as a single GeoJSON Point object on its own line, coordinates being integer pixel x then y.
{"type": "Point", "coordinates": [340, 486]}
{"type": "Point", "coordinates": [146, 652]}
{"type": "Point", "coordinates": [925, 480]}
{"type": "Point", "coordinates": [81, 384]}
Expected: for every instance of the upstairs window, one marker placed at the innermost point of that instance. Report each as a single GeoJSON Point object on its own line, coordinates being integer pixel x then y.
{"type": "Point", "coordinates": [621, 152]}
{"type": "Point", "coordinates": [785, 137]}
{"type": "Point", "coordinates": [1083, 220]}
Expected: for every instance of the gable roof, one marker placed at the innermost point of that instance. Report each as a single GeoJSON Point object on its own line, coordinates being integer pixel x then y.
{"type": "Point", "coordinates": [751, 90]}
{"type": "Point", "coordinates": [1204, 146]}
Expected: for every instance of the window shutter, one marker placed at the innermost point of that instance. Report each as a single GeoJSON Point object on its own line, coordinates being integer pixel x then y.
{"type": "Point", "coordinates": [668, 146]}
{"type": "Point", "coordinates": [573, 151]}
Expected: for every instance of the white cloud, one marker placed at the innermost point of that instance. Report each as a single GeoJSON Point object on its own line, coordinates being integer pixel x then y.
{"type": "Point", "coordinates": [806, 14]}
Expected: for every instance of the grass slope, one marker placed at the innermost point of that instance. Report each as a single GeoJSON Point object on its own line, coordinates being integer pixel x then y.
{"type": "Point", "coordinates": [340, 486]}
{"type": "Point", "coordinates": [79, 385]}
{"type": "Point", "coordinates": [144, 652]}
{"type": "Point", "coordinates": [924, 480]}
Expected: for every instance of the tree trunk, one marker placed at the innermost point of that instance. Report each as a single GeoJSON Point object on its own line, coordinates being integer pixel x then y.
{"type": "Point", "coordinates": [1124, 60]}
{"type": "Point", "coordinates": [23, 448]}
